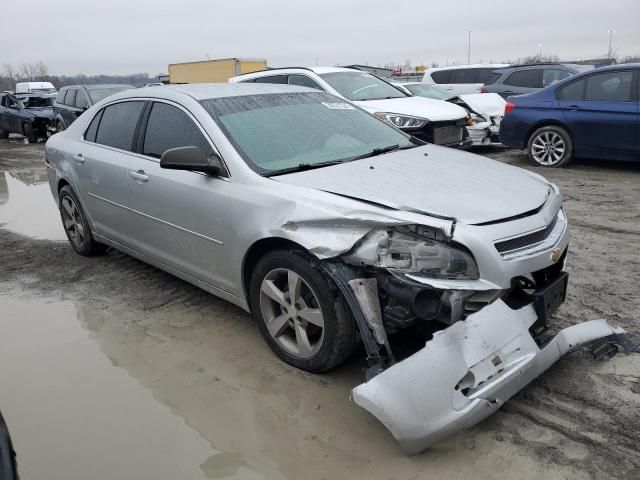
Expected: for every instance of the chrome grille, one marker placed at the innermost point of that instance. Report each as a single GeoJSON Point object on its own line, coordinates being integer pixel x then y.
{"type": "Point", "coordinates": [526, 241]}
{"type": "Point", "coordinates": [447, 135]}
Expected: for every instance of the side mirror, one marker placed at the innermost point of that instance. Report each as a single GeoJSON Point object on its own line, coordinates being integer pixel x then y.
{"type": "Point", "coordinates": [191, 158]}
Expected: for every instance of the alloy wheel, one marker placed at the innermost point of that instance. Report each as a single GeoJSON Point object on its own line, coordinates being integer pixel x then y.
{"type": "Point", "coordinates": [72, 221]}
{"type": "Point", "coordinates": [548, 148]}
{"type": "Point", "coordinates": [291, 313]}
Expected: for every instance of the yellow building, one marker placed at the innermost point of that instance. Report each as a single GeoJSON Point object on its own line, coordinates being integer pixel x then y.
{"type": "Point", "coordinates": [216, 71]}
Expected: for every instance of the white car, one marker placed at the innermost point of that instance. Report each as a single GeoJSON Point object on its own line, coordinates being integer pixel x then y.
{"type": "Point", "coordinates": [429, 120]}
{"type": "Point", "coordinates": [35, 87]}
{"type": "Point", "coordinates": [485, 109]}
{"type": "Point", "coordinates": [461, 79]}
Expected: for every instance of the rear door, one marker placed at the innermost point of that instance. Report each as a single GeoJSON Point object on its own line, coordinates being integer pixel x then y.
{"type": "Point", "coordinates": [179, 217]}
{"type": "Point", "coordinates": [521, 82]}
{"type": "Point", "coordinates": [101, 161]}
{"type": "Point", "coordinates": [601, 110]}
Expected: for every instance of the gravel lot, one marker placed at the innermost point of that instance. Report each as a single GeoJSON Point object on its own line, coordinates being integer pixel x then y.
{"type": "Point", "coordinates": [107, 359]}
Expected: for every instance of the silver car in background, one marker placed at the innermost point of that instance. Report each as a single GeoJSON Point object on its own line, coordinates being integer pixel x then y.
{"type": "Point", "coordinates": [334, 229]}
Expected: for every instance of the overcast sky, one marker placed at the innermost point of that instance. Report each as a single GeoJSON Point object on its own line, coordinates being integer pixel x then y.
{"type": "Point", "coordinates": [127, 36]}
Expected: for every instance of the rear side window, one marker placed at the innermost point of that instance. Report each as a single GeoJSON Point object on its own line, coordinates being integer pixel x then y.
{"type": "Point", "coordinates": [441, 76]}
{"type": "Point", "coordinates": [573, 91]}
{"type": "Point", "coordinates": [169, 127]}
{"type": "Point", "coordinates": [464, 75]}
{"type": "Point", "coordinates": [487, 75]}
{"type": "Point", "coordinates": [609, 87]}
{"type": "Point", "coordinates": [70, 99]}
{"type": "Point", "coordinates": [303, 81]}
{"type": "Point", "coordinates": [523, 78]}
{"type": "Point", "coordinates": [118, 124]}
{"type": "Point", "coordinates": [90, 134]}
{"type": "Point", "coordinates": [272, 79]}
{"type": "Point", "coordinates": [553, 75]}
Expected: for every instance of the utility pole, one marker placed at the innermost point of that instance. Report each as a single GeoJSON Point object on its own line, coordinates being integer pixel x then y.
{"type": "Point", "coordinates": [469, 49]}
{"type": "Point", "coordinates": [611, 32]}
{"type": "Point", "coordinates": [540, 51]}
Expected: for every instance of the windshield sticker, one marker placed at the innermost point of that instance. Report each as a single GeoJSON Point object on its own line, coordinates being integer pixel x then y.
{"type": "Point", "coordinates": [338, 106]}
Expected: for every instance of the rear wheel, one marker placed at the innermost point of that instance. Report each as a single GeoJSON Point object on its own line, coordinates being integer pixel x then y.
{"type": "Point", "coordinates": [75, 224]}
{"type": "Point", "coordinates": [550, 146]}
{"type": "Point", "coordinates": [28, 131]}
{"type": "Point", "coordinates": [300, 312]}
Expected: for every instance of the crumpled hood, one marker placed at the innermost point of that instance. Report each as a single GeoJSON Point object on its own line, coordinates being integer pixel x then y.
{"type": "Point", "coordinates": [46, 113]}
{"type": "Point", "coordinates": [434, 110]}
{"type": "Point", "coordinates": [489, 104]}
{"type": "Point", "coordinates": [432, 180]}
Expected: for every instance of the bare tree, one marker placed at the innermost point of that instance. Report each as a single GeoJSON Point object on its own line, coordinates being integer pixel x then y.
{"type": "Point", "coordinates": [41, 71]}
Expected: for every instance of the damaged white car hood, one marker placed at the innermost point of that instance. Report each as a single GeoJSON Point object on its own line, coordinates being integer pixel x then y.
{"type": "Point", "coordinates": [487, 104]}
{"type": "Point", "coordinates": [434, 110]}
{"type": "Point", "coordinates": [432, 180]}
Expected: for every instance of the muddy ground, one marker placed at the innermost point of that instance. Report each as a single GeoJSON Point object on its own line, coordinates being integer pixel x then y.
{"type": "Point", "coordinates": [110, 368]}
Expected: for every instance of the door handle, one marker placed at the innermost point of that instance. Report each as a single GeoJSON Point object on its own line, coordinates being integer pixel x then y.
{"type": "Point", "coordinates": [79, 158]}
{"type": "Point", "coordinates": [139, 176]}
{"type": "Point", "coordinates": [573, 108]}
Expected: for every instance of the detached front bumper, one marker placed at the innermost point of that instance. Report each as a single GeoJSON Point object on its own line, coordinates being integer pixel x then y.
{"type": "Point", "coordinates": [465, 373]}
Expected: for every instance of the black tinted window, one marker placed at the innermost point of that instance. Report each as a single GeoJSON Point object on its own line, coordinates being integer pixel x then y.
{"type": "Point", "coordinates": [272, 79]}
{"type": "Point", "coordinates": [487, 75]}
{"type": "Point", "coordinates": [573, 91]}
{"type": "Point", "coordinates": [553, 75]}
{"type": "Point", "coordinates": [90, 134]}
{"type": "Point", "coordinates": [523, 78]}
{"type": "Point", "coordinates": [118, 124]}
{"type": "Point", "coordinates": [303, 81]}
{"type": "Point", "coordinates": [464, 75]}
{"type": "Point", "coordinates": [609, 87]}
{"type": "Point", "coordinates": [70, 99]}
{"type": "Point", "coordinates": [442, 76]}
{"type": "Point", "coordinates": [169, 127]}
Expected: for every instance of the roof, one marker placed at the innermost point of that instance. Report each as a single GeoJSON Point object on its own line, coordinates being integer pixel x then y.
{"type": "Point", "coordinates": [474, 65]}
{"type": "Point", "coordinates": [205, 91]}
{"type": "Point", "coordinates": [99, 86]}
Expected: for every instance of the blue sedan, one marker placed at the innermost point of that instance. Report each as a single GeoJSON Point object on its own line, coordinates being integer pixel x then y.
{"type": "Point", "coordinates": [594, 114]}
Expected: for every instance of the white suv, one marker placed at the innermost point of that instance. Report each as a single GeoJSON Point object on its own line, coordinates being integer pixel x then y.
{"type": "Point", "coordinates": [461, 79]}
{"type": "Point", "coordinates": [433, 121]}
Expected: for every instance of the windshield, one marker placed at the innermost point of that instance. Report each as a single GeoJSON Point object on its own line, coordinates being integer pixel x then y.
{"type": "Point", "coordinates": [428, 91]}
{"type": "Point", "coordinates": [360, 86]}
{"type": "Point", "coordinates": [277, 132]}
{"type": "Point", "coordinates": [97, 94]}
{"type": "Point", "coordinates": [37, 102]}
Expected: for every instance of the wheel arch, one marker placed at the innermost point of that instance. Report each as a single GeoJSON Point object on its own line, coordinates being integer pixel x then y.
{"type": "Point", "coordinates": [256, 251]}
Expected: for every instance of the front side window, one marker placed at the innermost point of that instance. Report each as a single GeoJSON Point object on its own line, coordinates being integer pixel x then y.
{"type": "Point", "coordinates": [61, 95]}
{"type": "Point", "coordinates": [70, 99]}
{"type": "Point", "coordinates": [361, 86]}
{"type": "Point", "coordinates": [303, 81]}
{"type": "Point", "coordinates": [553, 75]}
{"type": "Point", "coordinates": [97, 94]}
{"type": "Point", "coordinates": [169, 127]}
{"type": "Point", "coordinates": [81, 99]}
{"type": "Point", "coordinates": [118, 124]}
{"type": "Point", "coordinates": [276, 132]}
{"type": "Point", "coordinates": [609, 87]}
{"type": "Point", "coordinates": [523, 78]}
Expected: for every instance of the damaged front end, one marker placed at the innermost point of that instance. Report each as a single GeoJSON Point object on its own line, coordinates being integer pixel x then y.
{"type": "Point", "coordinates": [487, 339]}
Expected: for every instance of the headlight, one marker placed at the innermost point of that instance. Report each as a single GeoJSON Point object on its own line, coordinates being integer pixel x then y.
{"type": "Point", "coordinates": [472, 119]}
{"type": "Point", "coordinates": [414, 250]}
{"type": "Point", "coordinates": [402, 121]}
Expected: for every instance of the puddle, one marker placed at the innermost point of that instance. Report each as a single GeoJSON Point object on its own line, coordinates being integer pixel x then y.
{"type": "Point", "coordinates": [27, 206]}
{"type": "Point", "coordinates": [91, 394]}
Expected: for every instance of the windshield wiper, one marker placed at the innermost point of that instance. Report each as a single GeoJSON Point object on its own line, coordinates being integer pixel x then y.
{"type": "Point", "coordinates": [301, 167]}
{"type": "Point", "coordinates": [382, 151]}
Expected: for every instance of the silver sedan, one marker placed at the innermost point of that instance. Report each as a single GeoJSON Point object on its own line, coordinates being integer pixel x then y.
{"type": "Point", "coordinates": [334, 229]}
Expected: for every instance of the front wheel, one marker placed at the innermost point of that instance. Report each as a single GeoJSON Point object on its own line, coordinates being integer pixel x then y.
{"type": "Point", "coordinates": [28, 131]}
{"type": "Point", "coordinates": [59, 127]}
{"type": "Point", "coordinates": [550, 146]}
{"type": "Point", "coordinates": [300, 312]}
{"type": "Point", "coordinates": [76, 225]}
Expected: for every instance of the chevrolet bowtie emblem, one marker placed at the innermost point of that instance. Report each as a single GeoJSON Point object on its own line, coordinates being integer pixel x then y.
{"type": "Point", "coordinates": [556, 254]}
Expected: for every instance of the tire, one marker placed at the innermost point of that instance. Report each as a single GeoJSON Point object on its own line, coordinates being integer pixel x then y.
{"type": "Point", "coordinates": [27, 128]}
{"type": "Point", "coordinates": [60, 127]}
{"type": "Point", "coordinates": [75, 224]}
{"type": "Point", "coordinates": [317, 296]}
{"type": "Point", "coordinates": [4, 134]}
{"type": "Point", "coordinates": [550, 146]}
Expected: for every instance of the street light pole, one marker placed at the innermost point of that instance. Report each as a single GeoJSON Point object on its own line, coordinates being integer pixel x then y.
{"type": "Point", "coordinates": [611, 32]}
{"type": "Point", "coordinates": [469, 49]}
{"type": "Point", "coordinates": [540, 51]}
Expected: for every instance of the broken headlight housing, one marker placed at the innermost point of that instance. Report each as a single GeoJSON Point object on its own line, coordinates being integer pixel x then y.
{"type": "Point", "coordinates": [405, 122]}
{"type": "Point", "coordinates": [417, 250]}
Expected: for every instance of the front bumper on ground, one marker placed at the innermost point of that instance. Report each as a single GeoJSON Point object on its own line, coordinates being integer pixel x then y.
{"type": "Point", "coordinates": [465, 373]}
